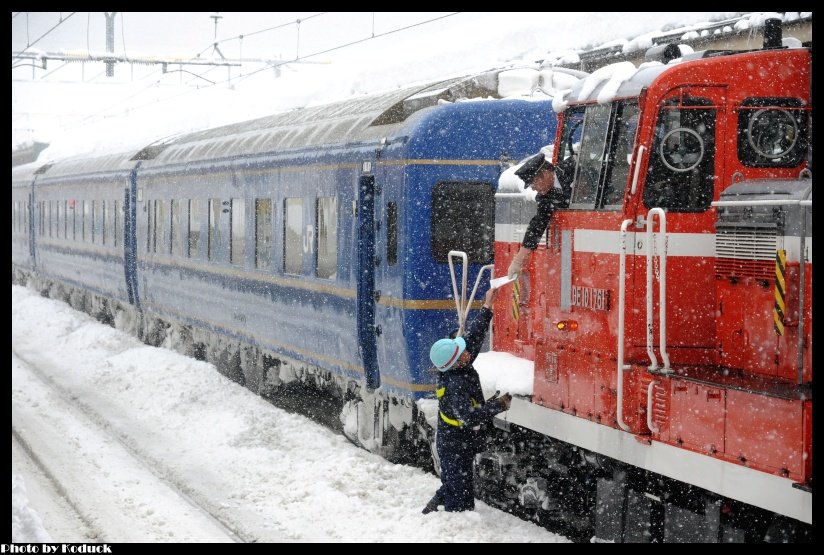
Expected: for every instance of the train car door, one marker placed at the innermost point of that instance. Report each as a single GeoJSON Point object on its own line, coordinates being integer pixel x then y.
{"type": "Point", "coordinates": [683, 176]}
{"type": "Point", "coordinates": [587, 240]}
{"type": "Point", "coordinates": [130, 237]}
{"type": "Point", "coordinates": [366, 279]}
{"type": "Point", "coordinates": [32, 225]}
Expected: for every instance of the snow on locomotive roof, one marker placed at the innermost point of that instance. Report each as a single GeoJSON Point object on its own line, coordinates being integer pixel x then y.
{"type": "Point", "coordinates": [617, 80]}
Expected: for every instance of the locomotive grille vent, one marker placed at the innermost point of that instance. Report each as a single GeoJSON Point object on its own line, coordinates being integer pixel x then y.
{"type": "Point", "coordinates": [745, 252]}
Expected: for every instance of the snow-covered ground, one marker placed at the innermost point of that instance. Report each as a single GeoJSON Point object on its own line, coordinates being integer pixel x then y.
{"type": "Point", "coordinates": [116, 441]}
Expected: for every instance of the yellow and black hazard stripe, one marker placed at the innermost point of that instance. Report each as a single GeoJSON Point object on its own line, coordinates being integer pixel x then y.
{"type": "Point", "coordinates": [780, 291]}
{"type": "Point", "coordinates": [516, 299]}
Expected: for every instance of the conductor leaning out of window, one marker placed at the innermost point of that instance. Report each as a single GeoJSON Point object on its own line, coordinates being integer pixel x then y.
{"type": "Point", "coordinates": [552, 185]}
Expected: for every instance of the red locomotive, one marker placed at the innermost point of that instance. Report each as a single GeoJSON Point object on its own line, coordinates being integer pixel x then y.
{"type": "Point", "coordinates": [669, 310]}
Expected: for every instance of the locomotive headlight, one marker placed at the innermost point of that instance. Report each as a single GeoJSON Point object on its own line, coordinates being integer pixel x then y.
{"type": "Point", "coordinates": [567, 325]}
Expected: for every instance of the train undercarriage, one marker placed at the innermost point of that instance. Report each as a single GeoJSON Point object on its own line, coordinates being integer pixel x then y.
{"type": "Point", "coordinates": [592, 498]}
{"type": "Point", "coordinates": [581, 494]}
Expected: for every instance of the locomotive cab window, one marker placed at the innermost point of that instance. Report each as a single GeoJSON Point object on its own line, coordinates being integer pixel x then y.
{"type": "Point", "coordinates": [590, 156]}
{"type": "Point", "coordinates": [463, 218]}
{"type": "Point", "coordinates": [624, 127]}
{"type": "Point", "coordinates": [606, 134]}
{"type": "Point", "coordinates": [682, 160]}
{"type": "Point", "coordinates": [772, 132]}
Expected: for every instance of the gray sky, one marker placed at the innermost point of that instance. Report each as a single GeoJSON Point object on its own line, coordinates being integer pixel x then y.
{"type": "Point", "coordinates": [402, 36]}
{"type": "Point", "coordinates": [407, 48]}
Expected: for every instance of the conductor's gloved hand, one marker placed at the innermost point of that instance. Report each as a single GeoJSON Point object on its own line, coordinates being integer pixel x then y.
{"type": "Point", "coordinates": [515, 267]}
{"type": "Point", "coordinates": [506, 401]}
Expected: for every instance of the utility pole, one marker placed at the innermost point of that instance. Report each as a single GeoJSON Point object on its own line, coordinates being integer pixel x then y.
{"type": "Point", "coordinates": [110, 41]}
{"type": "Point", "coordinates": [217, 17]}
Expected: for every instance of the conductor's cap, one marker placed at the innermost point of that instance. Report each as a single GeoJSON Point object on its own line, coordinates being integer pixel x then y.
{"type": "Point", "coordinates": [530, 169]}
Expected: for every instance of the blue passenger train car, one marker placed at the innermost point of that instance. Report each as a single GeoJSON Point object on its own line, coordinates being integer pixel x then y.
{"type": "Point", "coordinates": [307, 246]}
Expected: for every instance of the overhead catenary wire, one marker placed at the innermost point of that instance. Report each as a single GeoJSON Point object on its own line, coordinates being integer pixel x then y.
{"type": "Point", "coordinates": [41, 37]}
{"type": "Point", "coordinates": [252, 73]}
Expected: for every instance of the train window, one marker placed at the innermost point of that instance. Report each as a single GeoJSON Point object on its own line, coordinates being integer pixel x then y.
{"type": "Point", "coordinates": [590, 156]}
{"type": "Point", "coordinates": [292, 235]}
{"type": "Point", "coordinates": [214, 237]}
{"type": "Point", "coordinates": [160, 223]}
{"type": "Point", "coordinates": [149, 226]}
{"type": "Point", "coordinates": [195, 212]}
{"type": "Point", "coordinates": [93, 221]}
{"type": "Point", "coordinates": [326, 252]}
{"type": "Point", "coordinates": [463, 218]}
{"type": "Point", "coordinates": [176, 246]}
{"type": "Point", "coordinates": [772, 132]}
{"type": "Point", "coordinates": [392, 233]}
{"type": "Point", "coordinates": [682, 161]}
{"type": "Point", "coordinates": [108, 232]}
{"type": "Point", "coordinates": [87, 220]}
{"type": "Point", "coordinates": [77, 219]}
{"type": "Point", "coordinates": [263, 233]}
{"type": "Point", "coordinates": [100, 222]}
{"type": "Point", "coordinates": [49, 217]}
{"type": "Point", "coordinates": [623, 139]}
{"type": "Point", "coordinates": [103, 227]}
{"type": "Point", "coordinates": [237, 231]}
{"type": "Point", "coordinates": [58, 218]}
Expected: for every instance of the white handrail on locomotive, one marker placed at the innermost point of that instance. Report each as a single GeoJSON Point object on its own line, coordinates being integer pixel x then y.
{"type": "Point", "coordinates": [650, 424]}
{"type": "Point", "coordinates": [661, 275]}
{"type": "Point", "coordinates": [622, 288]}
{"type": "Point", "coordinates": [462, 305]}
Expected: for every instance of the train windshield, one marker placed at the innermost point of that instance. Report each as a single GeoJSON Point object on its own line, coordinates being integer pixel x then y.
{"type": "Point", "coordinates": [682, 161]}
{"type": "Point", "coordinates": [772, 132]}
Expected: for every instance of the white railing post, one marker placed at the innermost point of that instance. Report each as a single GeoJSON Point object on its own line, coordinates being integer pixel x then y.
{"type": "Point", "coordinates": [622, 287]}
{"type": "Point", "coordinates": [460, 298]}
{"type": "Point", "coordinates": [650, 424]}
{"type": "Point", "coordinates": [662, 289]}
{"type": "Point", "coordinates": [462, 304]}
